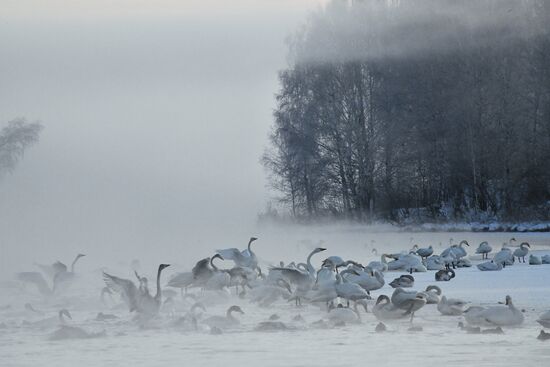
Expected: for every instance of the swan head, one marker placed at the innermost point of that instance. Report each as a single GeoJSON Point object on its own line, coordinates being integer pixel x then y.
{"type": "Point", "coordinates": [319, 249]}
{"type": "Point", "coordinates": [382, 298]}
{"type": "Point", "coordinates": [252, 239]}
{"type": "Point", "coordinates": [65, 312]}
{"type": "Point", "coordinates": [464, 242]}
{"type": "Point", "coordinates": [415, 247]}
{"type": "Point", "coordinates": [435, 288]}
{"type": "Point", "coordinates": [163, 266]}
{"type": "Point", "coordinates": [235, 309]}
{"type": "Point", "coordinates": [525, 244]}
{"type": "Point", "coordinates": [80, 255]}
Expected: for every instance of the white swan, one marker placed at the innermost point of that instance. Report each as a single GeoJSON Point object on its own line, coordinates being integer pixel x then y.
{"type": "Point", "coordinates": [385, 310]}
{"type": "Point", "coordinates": [424, 252]}
{"type": "Point", "coordinates": [490, 266]}
{"type": "Point", "coordinates": [484, 249]}
{"type": "Point", "coordinates": [433, 294]}
{"type": "Point", "coordinates": [407, 262]}
{"type": "Point", "coordinates": [410, 301]}
{"type": "Point", "coordinates": [504, 257]}
{"type": "Point", "coordinates": [534, 260]}
{"type": "Point", "coordinates": [507, 315]}
{"type": "Point", "coordinates": [246, 258]}
{"type": "Point", "coordinates": [224, 322]}
{"type": "Point", "coordinates": [434, 262]}
{"type": "Point", "coordinates": [141, 302]}
{"type": "Point", "coordinates": [544, 319]}
{"type": "Point", "coordinates": [451, 306]}
{"type": "Point", "coordinates": [522, 251]}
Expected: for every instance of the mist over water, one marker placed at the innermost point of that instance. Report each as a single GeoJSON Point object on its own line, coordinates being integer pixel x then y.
{"type": "Point", "coordinates": [155, 119]}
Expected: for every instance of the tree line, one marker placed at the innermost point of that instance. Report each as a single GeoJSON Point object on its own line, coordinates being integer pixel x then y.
{"type": "Point", "coordinates": [435, 109]}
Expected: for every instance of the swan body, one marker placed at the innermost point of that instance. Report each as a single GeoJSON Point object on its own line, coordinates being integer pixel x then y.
{"type": "Point", "coordinates": [433, 294]}
{"type": "Point", "coordinates": [407, 262]}
{"type": "Point", "coordinates": [434, 262]}
{"type": "Point", "coordinates": [404, 281]}
{"type": "Point", "coordinates": [504, 257]}
{"type": "Point", "coordinates": [490, 266]}
{"type": "Point", "coordinates": [246, 258]}
{"type": "Point", "coordinates": [444, 275]}
{"type": "Point", "coordinates": [137, 300]}
{"type": "Point", "coordinates": [484, 249]}
{"type": "Point", "coordinates": [544, 319]}
{"type": "Point", "coordinates": [385, 310]}
{"type": "Point", "coordinates": [522, 251]}
{"type": "Point", "coordinates": [451, 306]}
{"type": "Point", "coordinates": [369, 280]}
{"type": "Point", "coordinates": [534, 260]}
{"type": "Point", "coordinates": [425, 252]}
{"type": "Point", "coordinates": [224, 322]}
{"type": "Point", "coordinates": [410, 301]}
{"type": "Point", "coordinates": [502, 315]}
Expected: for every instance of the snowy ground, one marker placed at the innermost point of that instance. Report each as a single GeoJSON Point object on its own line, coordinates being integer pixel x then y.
{"type": "Point", "coordinates": [440, 341]}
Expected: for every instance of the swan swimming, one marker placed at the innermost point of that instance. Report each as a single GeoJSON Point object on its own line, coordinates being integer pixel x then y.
{"type": "Point", "coordinates": [224, 322]}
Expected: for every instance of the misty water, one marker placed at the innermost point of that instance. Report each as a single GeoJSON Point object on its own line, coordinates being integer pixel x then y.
{"type": "Point", "coordinates": [25, 336]}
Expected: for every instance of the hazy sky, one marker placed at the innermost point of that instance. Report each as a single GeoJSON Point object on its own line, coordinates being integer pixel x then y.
{"type": "Point", "coordinates": [156, 114]}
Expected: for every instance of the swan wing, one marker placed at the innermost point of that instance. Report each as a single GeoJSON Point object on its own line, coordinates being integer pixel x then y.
{"type": "Point", "coordinates": [231, 254]}
{"type": "Point", "coordinates": [37, 279]}
{"type": "Point", "coordinates": [124, 287]}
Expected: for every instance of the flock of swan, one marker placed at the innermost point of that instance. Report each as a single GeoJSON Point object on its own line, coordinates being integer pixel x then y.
{"type": "Point", "coordinates": [342, 289]}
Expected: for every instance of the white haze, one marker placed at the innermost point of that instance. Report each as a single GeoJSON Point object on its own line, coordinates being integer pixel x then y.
{"type": "Point", "coordinates": [155, 119]}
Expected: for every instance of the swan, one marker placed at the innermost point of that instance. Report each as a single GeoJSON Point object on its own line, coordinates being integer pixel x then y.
{"type": "Point", "coordinates": [189, 321]}
{"type": "Point", "coordinates": [410, 301]}
{"type": "Point", "coordinates": [349, 291]}
{"type": "Point", "coordinates": [490, 266]}
{"type": "Point", "coordinates": [265, 295]}
{"type": "Point", "coordinates": [507, 315]}
{"type": "Point", "coordinates": [504, 257]}
{"type": "Point", "coordinates": [302, 279]}
{"type": "Point", "coordinates": [141, 302]}
{"type": "Point", "coordinates": [434, 262]}
{"type": "Point", "coordinates": [444, 275]}
{"type": "Point", "coordinates": [74, 332]}
{"type": "Point", "coordinates": [408, 262]}
{"type": "Point", "coordinates": [484, 249]}
{"type": "Point", "coordinates": [53, 320]}
{"type": "Point", "coordinates": [368, 279]}
{"type": "Point", "coordinates": [451, 306]}
{"type": "Point", "coordinates": [35, 278]}
{"type": "Point", "coordinates": [454, 253]}
{"type": "Point", "coordinates": [545, 259]}
{"type": "Point", "coordinates": [246, 258]}
{"type": "Point", "coordinates": [473, 315]}
{"type": "Point", "coordinates": [432, 294]}
{"type": "Point", "coordinates": [522, 251]}
{"type": "Point", "coordinates": [181, 280]}
{"type": "Point", "coordinates": [384, 310]}
{"type": "Point", "coordinates": [544, 319]}
{"type": "Point", "coordinates": [534, 260]}
{"type": "Point", "coordinates": [404, 281]}
{"type": "Point", "coordinates": [224, 322]}
{"type": "Point", "coordinates": [380, 266]}
{"type": "Point", "coordinates": [219, 279]}
{"type": "Point", "coordinates": [344, 314]}
{"type": "Point", "coordinates": [425, 252]}
{"type": "Point", "coordinates": [543, 335]}
{"type": "Point", "coordinates": [64, 278]}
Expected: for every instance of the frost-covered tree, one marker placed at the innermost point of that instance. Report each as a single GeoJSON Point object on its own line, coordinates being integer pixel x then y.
{"type": "Point", "coordinates": [15, 137]}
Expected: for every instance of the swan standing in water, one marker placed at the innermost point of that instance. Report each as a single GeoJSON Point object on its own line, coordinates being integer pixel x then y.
{"type": "Point", "coordinates": [484, 249]}
{"type": "Point", "coordinates": [141, 302]}
{"type": "Point", "coordinates": [224, 322]}
{"type": "Point", "coordinates": [522, 251]}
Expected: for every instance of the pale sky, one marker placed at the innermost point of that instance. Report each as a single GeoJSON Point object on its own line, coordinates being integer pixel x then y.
{"type": "Point", "coordinates": [156, 114]}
